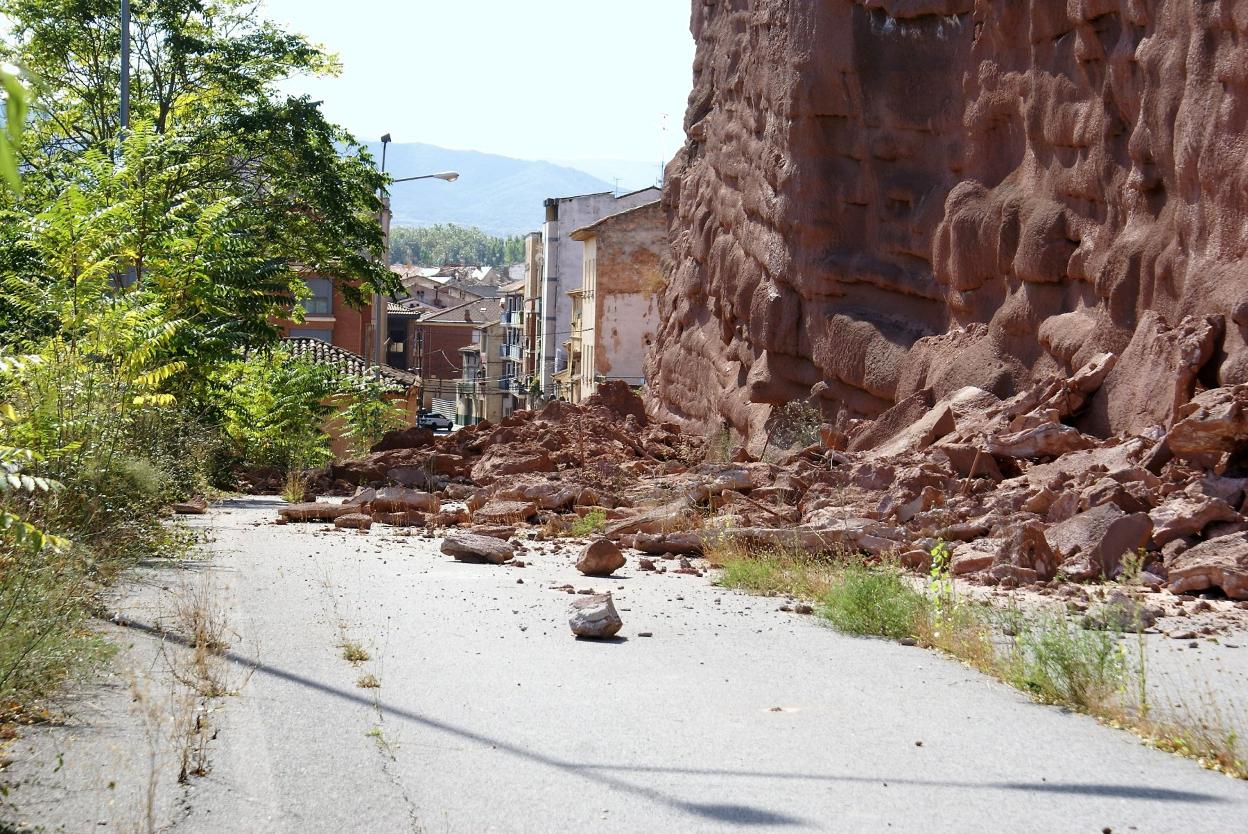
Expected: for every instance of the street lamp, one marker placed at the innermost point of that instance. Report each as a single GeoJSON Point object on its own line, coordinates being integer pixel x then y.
{"type": "Point", "coordinates": [448, 176]}
{"type": "Point", "coordinates": [379, 317]}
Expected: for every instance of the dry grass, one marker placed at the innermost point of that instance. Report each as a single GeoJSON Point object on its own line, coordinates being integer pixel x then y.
{"type": "Point", "coordinates": [354, 652]}
{"type": "Point", "coordinates": [368, 682]}
{"type": "Point", "coordinates": [201, 621]}
{"type": "Point", "coordinates": [295, 490]}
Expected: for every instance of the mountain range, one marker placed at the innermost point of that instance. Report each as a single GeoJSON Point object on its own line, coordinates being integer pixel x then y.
{"type": "Point", "coordinates": [497, 194]}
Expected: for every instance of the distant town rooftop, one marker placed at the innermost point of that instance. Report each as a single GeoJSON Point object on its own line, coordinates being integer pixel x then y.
{"type": "Point", "coordinates": [351, 364]}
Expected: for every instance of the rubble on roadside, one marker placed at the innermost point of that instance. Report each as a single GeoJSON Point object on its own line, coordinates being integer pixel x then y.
{"type": "Point", "coordinates": [1021, 494]}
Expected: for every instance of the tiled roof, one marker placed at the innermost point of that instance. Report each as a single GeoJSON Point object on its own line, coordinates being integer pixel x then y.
{"type": "Point", "coordinates": [352, 364]}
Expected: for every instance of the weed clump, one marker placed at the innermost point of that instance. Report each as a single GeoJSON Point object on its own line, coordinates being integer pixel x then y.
{"type": "Point", "coordinates": [874, 601]}
{"type": "Point", "coordinates": [588, 524]}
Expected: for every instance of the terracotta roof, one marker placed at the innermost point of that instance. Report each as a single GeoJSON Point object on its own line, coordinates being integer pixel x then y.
{"type": "Point", "coordinates": [351, 364]}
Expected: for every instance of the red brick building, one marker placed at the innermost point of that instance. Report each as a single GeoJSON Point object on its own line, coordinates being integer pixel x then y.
{"type": "Point", "coordinates": [329, 318]}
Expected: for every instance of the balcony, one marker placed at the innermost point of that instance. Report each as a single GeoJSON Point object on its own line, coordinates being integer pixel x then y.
{"type": "Point", "coordinates": [513, 318]}
{"type": "Point", "coordinates": [466, 389]}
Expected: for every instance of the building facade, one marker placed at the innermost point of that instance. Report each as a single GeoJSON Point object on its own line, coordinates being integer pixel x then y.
{"type": "Point", "coordinates": [615, 314]}
{"type": "Point", "coordinates": [513, 343]}
{"type": "Point", "coordinates": [562, 270]}
{"type": "Point", "coordinates": [328, 318]}
{"type": "Point", "coordinates": [534, 262]}
{"type": "Point", "coordinates": [483, 393]}
{"type": "Point", "coordinates": [436, 339]}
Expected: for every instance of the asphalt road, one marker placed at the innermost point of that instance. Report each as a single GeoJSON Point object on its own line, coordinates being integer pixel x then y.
{"type": "Point", "coordinates": [490, 717]}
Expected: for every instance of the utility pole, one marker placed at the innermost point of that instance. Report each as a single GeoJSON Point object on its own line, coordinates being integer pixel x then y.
{"type": "Point", "coordinates": [379, 314]}
{"type": "Point", "coordinates": [125, 66]}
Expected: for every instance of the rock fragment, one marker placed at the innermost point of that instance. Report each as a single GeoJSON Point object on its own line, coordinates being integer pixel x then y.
{"type": "Point", "coordinates": [466, 547]}
{"type": "Point", "coordinates": [600, 558]}
{"type": "Point", "coordinates": [595, 617]}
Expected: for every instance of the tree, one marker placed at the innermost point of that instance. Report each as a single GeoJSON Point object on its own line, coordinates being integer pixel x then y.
{"type": "Point", "coordinates": [205, 76]}
{"type": "Point", "coordinates": [446, 244]}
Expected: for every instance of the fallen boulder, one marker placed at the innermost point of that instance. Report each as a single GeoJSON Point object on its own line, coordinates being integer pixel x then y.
{"type": "Point", "coordinates": [192, 506]}
{"type": "Point", "coordinates": [1213, 423]}
{"type": "Point", "coordinates": [315, 511]}
{"type": "Point", "coordinates": [408, 519]}
{"type": "Point", "coordinates": [494, 531]}
{"type": "Point", "coordinates": [504, 512]}
{"type": "Point", "coordinates": [402, 500]}
{"type": "Point", "coordinates": [467, 547]}
{"type": "Point", "coordinates": [510, 460]}
{"type": "Point", "coordinates": [1049, 440]}
{"type": "Point", "coordinates": [1187, 515]}
{"type": "Point", "coordinates": [1092, 543]}
{"type": "Point", "coordinates": [1218, 563]}
{"type": "Point", "coordinates": [410, 438]}
{"type": "Point", "coordinates": [600, 558]}
{"type": "Point", "coordinates": [353, 521]}
{"type": "Point", "coordinates": [595, 617]}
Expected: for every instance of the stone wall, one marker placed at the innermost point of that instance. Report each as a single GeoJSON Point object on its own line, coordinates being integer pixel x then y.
{"type": "Point", "coordinates": [882, 196]}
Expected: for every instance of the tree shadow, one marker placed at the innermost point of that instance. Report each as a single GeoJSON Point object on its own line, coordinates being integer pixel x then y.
{"type": "Point", "coordinates": [724, 812]}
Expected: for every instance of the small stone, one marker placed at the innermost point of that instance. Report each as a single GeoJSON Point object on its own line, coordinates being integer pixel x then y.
{"type": "Point", "coordinates": [645, 564]}
{"type": "Point", "coordinates": [803, 608]}
{"type": "Point", "coordinates": [595, 617]}
{"type": "Point", "coordinates": [645, 634]}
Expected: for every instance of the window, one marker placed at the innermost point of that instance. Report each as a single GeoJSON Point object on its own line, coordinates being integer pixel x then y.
{"type": "Point", "coordinates": [321, 302]}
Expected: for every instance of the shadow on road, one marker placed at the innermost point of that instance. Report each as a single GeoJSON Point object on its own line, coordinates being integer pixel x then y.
{"type": "Point", "coordinates": [739, 814]}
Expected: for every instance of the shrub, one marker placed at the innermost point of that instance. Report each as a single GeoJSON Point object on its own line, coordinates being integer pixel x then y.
{"type": "Point", "coordinates": [1060, 663]}
{"type": "Point", "coordinates": [875, 601]}
{"type": "Point", "coordinates": [369, 415]}
{"type": "Point", "coordinates": [588, 524]}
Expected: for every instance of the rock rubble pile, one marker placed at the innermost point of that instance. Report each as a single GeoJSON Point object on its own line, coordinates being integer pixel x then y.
{"type": "Point", "coordinates": [1019, 494]}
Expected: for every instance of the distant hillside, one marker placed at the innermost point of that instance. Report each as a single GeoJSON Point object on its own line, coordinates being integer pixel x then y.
{"type": "Point", "coordinates": [497, 194]}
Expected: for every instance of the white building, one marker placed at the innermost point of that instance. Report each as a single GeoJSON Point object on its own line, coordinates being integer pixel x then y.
{"type": "Point", "coordinates": [563, 266]}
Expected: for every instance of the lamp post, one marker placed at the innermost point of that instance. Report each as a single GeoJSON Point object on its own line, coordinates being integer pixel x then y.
{"type": "Point", "coordinates": [379, 315]}
{"type": "Point", "coordinates": [125, 66]}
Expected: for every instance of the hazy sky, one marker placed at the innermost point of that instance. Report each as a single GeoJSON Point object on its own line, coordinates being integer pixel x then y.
{"type": "Point", "coordinates": [553, 79]}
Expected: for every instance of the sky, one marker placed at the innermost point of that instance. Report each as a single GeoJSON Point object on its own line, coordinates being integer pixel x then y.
{"type": "Point", "coordinates": [555, 79]}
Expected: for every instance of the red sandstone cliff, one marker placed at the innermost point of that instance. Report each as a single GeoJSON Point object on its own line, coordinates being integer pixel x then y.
{"type": "Point", "coordinates": [881, 196]}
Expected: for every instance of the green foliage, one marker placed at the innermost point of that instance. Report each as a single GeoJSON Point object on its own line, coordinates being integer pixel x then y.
{"type": "Point", "coordinates": [1060, 663]}
{"type": "Point", "coordinates": [446, 244]}
{"type": "Point", "coordinates": [16, 101]}
{"type": "Point", "coordinates": [297, 189]}
{"type": "Point", "coordinates": [273, 408]}
{"type": "Point", "coordinates": [369, 415]}
{"type": "Point", "coordinates": [588, 524]}
{"type": "Point", "coordinates": [940, 574]}
{"type": "Point", "coordinates": [872, 600]}
{"type": "Point", "coordinates": [137, 273]}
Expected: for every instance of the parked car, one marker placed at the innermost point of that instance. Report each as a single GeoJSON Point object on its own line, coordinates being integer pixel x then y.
{"type": "Point", "coordinates": [435, 421]}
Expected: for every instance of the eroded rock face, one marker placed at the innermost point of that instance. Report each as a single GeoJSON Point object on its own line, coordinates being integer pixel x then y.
{"type": "Point", "coordinates": [882, 197]}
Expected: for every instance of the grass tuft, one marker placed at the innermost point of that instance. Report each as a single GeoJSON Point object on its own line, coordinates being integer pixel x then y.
{"type": "Point", "coordinates": [588, 524]}
{"type": "Point", "coordinates": [874, 601]}
{"type": "Point", "coordinates": [355, 653]}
